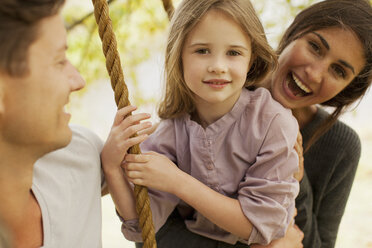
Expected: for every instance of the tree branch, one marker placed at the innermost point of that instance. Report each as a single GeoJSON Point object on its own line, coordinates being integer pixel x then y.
{"type": "Point", "coordinates": [81, 20]}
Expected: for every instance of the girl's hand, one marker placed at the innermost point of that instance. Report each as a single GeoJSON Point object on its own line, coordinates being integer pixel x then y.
{"type": "Point", "coordinates": [121, 137]}
{"type": "Point", "coordinates": [298, 147]}
{"type": "Point", "coordinates": [153, 170]}
{"type": "Point", "coordinates": [292, 239]}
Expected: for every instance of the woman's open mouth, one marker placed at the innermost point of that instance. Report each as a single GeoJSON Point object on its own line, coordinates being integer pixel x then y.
{"type": "Point", "coordinates": [297, 87]}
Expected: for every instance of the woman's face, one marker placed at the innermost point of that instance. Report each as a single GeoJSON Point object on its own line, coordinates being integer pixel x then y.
{"type": "Point", "coordinates": [316, 67]}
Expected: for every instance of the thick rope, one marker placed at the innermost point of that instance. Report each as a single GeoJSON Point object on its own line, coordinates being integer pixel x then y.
{"type": "Point", "coordinates": [168, 6]}
{"type": "Point", "coordinates": [113, 66]}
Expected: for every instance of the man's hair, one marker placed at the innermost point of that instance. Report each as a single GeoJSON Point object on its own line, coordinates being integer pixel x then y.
{"type": "Point", "coordinates": [19, 21]}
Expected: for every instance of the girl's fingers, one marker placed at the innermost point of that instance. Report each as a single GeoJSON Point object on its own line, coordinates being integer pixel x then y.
{"type": "Point", "coordinates": [136, 158]}
{"type": "Point", "coordinates": [149, 130]}
{"type": "Point", "coordinates": [123, 116]}
{"type": "Point", "coordinates": [133, 120]}
{"type": "Point", "coordinates": [121, 113]}
{"type": "Point", "coordinates": [132, 174]}
{"type": "Point", "coordinates": [137, 181]}
{"type": "Point", "coordinates": [132, 130]}
{"type": "Point", "coordinates": [134, 141]}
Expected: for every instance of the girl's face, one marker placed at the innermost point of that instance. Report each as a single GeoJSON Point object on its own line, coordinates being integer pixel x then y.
{"type": "Point", "coordinates": [215, 58]}
{"type": "Point", "coordinates": [316, 67]}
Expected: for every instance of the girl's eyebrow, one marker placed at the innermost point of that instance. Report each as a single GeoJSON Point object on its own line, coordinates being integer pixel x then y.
{"type": "Point", "coordinates": [206, 44]}
{"type": "Point", "coordinates": [240, 47]}
{"type": "Point", "coordinates": [326, 45]}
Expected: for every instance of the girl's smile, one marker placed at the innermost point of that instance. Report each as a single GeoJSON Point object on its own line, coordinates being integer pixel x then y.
{"type": "Point", "coordinates": [217, 83]}
{"type": "Point", "coordinates": [215, 66]}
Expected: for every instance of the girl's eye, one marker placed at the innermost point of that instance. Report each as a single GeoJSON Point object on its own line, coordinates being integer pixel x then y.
{"type": "Point", "coordinates": [202, 51]}
{"type": "Point", "coordinates": [314, 46]}
{"type": "Point", "coordinates": [339, 71]}
{"type": "Point", "coordinates": [233, 53]}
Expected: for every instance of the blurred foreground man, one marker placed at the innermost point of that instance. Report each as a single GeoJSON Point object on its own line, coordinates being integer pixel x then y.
{"type": "Point", "coordinates": [55, 201]}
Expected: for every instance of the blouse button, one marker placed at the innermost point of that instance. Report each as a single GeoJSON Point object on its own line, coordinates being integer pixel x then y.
{"type": "Point", "coordinates": [210, 166]}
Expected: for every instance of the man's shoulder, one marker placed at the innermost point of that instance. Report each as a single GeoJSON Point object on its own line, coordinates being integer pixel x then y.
{"type": "Point", "coordinates": [83, 150]}
{"type": "Point", "coordinates": [82, 135]}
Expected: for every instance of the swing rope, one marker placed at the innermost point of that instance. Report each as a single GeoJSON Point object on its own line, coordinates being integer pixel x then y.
{"type": "Point", "coordinates": [113, 66]}
{"type": "Point", "coordinates": [168, 7]}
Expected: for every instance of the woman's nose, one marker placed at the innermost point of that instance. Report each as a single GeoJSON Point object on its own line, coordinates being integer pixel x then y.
{"type": "Point", "coordinates": [315, 71]}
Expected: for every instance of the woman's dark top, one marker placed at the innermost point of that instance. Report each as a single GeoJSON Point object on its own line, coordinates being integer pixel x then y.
{"type": "Point", "coordinates": [330, 166]}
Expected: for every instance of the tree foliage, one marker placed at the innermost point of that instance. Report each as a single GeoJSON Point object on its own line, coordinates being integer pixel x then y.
{"type": "Point", "coordinates": [141, 28]}
{"type": "Point", "coordinates": [137, 24]}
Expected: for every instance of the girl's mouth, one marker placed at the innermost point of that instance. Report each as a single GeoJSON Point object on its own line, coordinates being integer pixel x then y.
{"type": "Point", "coordinates": [217, 83]}
{"type": "Point", "coordinates": [296, 86]}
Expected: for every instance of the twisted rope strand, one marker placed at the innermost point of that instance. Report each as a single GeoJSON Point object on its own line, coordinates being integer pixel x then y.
{"type": "Point", "coordinates": [113, 66]}
{"type": "Point", "coordinates": [168, 6]}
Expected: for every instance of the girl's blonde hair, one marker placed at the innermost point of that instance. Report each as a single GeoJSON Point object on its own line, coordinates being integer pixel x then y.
{"type": "Point", "coordinates": [178, 98]}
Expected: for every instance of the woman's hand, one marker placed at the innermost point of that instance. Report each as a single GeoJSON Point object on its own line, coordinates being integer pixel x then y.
{"type": "Point", "coordinates": [292, 239]}
{"type": "Point", "coordinates": [299, 149]}
{"type": "Point", "coordinates": [153, 170]}
{"type": "Point", "coordinates": [121, 137]}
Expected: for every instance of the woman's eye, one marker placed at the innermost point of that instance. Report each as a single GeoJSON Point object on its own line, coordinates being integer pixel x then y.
{"type": "Point", "coordinates": [202, 51]}
{"type": "Point", "coordinates": [233, 53]}
{"type": "Point", "coordinates": [314, 46]}
{"type": "Point", "coordinates": [340, 72]}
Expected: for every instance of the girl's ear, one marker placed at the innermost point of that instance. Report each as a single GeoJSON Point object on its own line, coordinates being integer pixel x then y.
{"type": "Point", "coordinates": [252, 60]}
{"type": "Point", "coordinates": [251, 70]}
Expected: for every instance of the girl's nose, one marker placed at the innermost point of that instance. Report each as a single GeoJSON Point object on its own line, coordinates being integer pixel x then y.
{"type": "Point", "coordinates": [218, 65]}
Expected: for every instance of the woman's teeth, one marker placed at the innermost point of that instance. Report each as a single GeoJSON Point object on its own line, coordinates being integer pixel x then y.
{"type": "Point", "coordinates": [297, 87]}
{"type": "Point", "coordinates": [301, 85]}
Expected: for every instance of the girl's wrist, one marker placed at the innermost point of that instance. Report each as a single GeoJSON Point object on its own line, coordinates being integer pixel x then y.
{"type": "Point", "coordinates": [113, 171]}
{"type": "Point", "coordinates": [182, 181]}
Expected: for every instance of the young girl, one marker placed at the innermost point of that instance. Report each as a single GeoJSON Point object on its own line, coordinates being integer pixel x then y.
{"type": "Point", "coordinates": [222, 160]}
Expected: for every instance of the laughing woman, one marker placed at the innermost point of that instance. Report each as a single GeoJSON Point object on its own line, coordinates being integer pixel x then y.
{"type": "Point", "coordinates": [325, 58]}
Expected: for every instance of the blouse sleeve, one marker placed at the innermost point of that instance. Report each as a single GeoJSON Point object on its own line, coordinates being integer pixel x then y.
{"type": "Point", "coordinates": [267, 193]}
{"type": "Point", "coordinates": [162, 141]}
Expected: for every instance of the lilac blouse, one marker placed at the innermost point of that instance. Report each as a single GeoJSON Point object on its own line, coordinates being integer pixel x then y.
{"type": "Point", "coordinates": [248, 154]}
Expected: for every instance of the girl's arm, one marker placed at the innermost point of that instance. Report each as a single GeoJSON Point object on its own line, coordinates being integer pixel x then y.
{"type": "Point", "coordinates": [157, 171]}
{"type": "Point", "coordinates": [292, 239]}
{"type": "Point", "coordinates": [118, 142]}
{"type": "Point", "coordinates": [268, 186]}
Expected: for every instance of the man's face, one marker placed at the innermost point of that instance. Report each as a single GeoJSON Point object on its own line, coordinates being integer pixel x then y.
{"type": "Point", "coordinates": [33, 115]}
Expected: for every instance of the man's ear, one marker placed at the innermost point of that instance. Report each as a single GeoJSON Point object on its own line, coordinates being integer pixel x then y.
{"type": "Point", "coordinates": [2, 93]}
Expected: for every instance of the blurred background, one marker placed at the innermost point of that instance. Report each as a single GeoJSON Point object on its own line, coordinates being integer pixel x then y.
{"type": "Point", "coordinates": [141, 29]}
